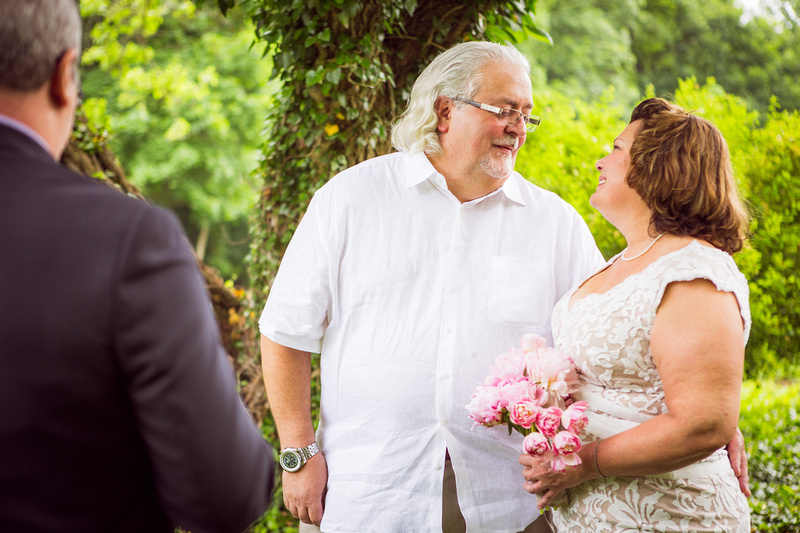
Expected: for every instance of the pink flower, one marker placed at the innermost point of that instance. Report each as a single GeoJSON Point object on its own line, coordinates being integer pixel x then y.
{"type": "Point", "coordinates": [566, 443]}
{"type": "Point", "coordinates": [524, 413]}
{"type": "Point", "coordinates": [552, 370]}
{"type": "Point", "coordinates": [521, 390]}
{"type": "Point", "coordinates": [574, 419]}
{"type": "Point", "coordinates": [509, 366]}
{"type": "Point", "coordinates": [548, 421]}
{"type": "Point", "coordinates": [531, 342]}
{"type": "Point", "coordinates": [536, 444]}
{"type": "Point", "coordinates": [562, 463]}
{"type": "Point", "coordinates": [485, 406]}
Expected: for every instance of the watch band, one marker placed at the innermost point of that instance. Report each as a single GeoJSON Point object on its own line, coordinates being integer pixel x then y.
{"type": "Point", "coordinates": [293, 459]}
{"type": "Point", "coordinates": [309, 451]}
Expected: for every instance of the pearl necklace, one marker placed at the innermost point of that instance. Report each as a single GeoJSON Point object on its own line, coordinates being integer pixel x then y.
{"type": "Point", "coordinates": [640, 254]}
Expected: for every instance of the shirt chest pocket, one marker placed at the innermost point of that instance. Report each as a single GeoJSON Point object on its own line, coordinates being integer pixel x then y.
{"type": "Point", "coordinates": [521, 292]}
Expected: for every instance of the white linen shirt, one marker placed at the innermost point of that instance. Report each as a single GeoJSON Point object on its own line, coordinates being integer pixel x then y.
{"type": "Point", "coordinates": [409, 296]}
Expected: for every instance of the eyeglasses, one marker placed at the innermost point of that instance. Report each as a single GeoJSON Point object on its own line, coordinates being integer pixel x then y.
{"type": "Point", "coordinates": [511, 116]}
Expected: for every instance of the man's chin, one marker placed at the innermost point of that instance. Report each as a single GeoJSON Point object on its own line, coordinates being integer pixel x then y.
{"type": "Point", "coordinates": [499, 172]}
{"type": "Point", "coordinates": [504, 173]}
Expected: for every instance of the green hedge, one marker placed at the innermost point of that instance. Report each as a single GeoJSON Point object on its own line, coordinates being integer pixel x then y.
{"type": "Point", "coordinates": [771, 426]}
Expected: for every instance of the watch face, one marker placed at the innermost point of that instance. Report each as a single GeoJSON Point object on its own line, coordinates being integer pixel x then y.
{"type": "Point", "coordinates": [290, 460]}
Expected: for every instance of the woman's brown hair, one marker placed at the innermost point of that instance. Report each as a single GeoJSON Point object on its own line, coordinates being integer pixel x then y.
{"type": "Point", "coordinates": [681, 167]}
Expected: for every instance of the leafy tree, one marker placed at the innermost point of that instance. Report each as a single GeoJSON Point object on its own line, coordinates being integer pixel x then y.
{"type": "Point", "coordinates": [770, 422]}
{"type": "Point", "coordinates": [633, 44]}
{"type": "Point", "coordinates": [773, 171]}
{"type": "Point", "coordinates": [186, 101]}
{"type": "Point", "coordinates": [755, 59]}
{"type": "Point", "coordinates": [591, 49]}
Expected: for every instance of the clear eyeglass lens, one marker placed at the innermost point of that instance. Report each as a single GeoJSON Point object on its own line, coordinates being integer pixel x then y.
{"type": "Point", "coordinates": [512, 116]}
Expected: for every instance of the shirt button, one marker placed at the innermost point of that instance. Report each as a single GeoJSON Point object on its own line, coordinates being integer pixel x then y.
{"type": "Point", "coordinates": [445, 376]}
{"type": "Point", "coordinates": [449, 330]}
{"type": "Point", "coordinates": [443, 421]}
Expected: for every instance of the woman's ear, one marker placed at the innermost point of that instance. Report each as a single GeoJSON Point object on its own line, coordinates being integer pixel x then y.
{"type": "Point", "coordinates": [443, 107]}
{"type": "Point", "coordinates": [64, 81]}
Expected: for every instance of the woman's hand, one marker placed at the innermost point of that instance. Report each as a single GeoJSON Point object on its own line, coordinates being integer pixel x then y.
{"type": "Point", "coordinates": [738, 458]}
{"type": "Point", "coordinates": [545, 484]}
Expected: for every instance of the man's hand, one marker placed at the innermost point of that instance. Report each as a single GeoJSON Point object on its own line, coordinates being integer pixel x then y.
{"type": "Point", "coordinates": [738, 458]}
{"type": "Point", "coordinates": [304, 490]}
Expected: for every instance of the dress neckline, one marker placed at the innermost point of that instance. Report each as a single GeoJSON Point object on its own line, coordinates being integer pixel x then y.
{"type": "Point", "coordinates": [571, 304]}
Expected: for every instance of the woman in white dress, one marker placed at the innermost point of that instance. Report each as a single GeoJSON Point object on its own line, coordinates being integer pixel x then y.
{"type": "Point", "coordinates": [658, 336]}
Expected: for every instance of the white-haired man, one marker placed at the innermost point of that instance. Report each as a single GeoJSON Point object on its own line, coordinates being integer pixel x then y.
{"type": "Point", "coordinates": [409, 273]}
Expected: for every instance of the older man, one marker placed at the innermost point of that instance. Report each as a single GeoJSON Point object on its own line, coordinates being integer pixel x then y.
{"type": "Point", "coordinates": [118, 407]}
{"type": "Point", "coordinates": [409, 274]}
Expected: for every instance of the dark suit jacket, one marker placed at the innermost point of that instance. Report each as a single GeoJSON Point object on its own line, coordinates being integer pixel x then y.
{"type": "Point", "coordinates": [118, 407]}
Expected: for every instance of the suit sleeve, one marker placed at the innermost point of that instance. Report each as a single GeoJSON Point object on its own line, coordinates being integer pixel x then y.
{"type": "Point", "coordinates": [212, 469]}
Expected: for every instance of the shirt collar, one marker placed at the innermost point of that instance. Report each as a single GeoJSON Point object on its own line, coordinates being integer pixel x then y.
{"type": "Point", "coordinates": [420, 169]}
{"type": "Point", "coordinates": [25, 130]}
{"type": "Point", "coordinates": [511, 188]}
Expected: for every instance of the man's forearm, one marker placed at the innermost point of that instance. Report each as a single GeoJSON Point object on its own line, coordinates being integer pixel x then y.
{"type": "Point", "coordinates": [287, 377]}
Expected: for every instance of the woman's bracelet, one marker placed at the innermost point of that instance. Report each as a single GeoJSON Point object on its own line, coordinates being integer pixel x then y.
{"type": "Point", "coordinates": [594, 456]}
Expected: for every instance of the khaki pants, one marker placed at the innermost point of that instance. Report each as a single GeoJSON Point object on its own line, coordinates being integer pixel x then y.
{"type": "Point", "coordinates": [453, 521]}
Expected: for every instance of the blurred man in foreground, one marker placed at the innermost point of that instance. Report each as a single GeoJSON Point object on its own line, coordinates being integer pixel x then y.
{"type": "Point", "coordinates": [118, 408]}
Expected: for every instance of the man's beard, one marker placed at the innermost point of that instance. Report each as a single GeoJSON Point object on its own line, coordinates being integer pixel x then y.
{"type": "Point", "coordinates": [497, 164]}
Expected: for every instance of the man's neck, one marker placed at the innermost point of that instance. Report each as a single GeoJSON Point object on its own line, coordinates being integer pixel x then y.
{"type": "Point", "coordinates": [469, 192]}
{"type": "Point", "coordinates": [30, 114]}
{"type": "Point", "coordinates": [26, 130]}
{"type": "Point", "coordinates": [466, 188]}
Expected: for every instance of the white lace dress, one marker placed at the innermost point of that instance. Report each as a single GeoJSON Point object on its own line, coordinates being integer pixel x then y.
{"type": "Point", "coordinates": [608, 335]}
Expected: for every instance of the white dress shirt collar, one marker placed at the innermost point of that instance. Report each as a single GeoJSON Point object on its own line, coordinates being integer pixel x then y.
{"type": "Point", "coordinates": [420, 169]}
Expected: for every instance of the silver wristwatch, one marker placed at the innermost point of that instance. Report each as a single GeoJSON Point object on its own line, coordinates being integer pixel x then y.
{"type": "Point", "coordinates": [293, 459]}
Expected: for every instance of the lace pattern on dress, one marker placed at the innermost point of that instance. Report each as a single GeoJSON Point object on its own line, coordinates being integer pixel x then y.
{"type": "Point", "coordinates": [608, 335]}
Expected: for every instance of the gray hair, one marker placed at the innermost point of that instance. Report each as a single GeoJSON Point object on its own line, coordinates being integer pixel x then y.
{"type": "Point", "coordinates": [33, 36]}
{"type": "Point", "coordinates": [454, 73]}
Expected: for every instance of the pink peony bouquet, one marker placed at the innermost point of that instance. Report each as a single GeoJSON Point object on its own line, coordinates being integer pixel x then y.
{"type": "Point", "coordinates": [529, 389]}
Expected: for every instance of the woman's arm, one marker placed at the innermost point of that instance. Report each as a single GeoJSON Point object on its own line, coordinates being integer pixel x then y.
{"type": "Point", "coordinates": [698, 347]}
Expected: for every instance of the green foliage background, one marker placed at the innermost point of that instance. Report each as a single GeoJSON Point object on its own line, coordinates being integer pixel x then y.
{"type": "Point", "coordinates": [187, 97]}
{"type": "Point", "coordinates": [770, 422]}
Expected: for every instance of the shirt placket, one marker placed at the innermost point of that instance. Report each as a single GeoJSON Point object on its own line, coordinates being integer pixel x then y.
{"type": "Point", "coordinates": [449, 328]}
